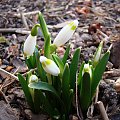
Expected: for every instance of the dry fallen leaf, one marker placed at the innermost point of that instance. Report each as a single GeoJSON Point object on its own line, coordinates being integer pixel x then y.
{"type": "Point", "coordinates": [84, 10]}
{"type": "Point", "coordinates": [60, 51]}
{"type": "Point", "coordinates": [88, 3]}
{"type": "Point", "coordinates": [9, 68]}
{"type": "Point", "coordinates": [93, 27]}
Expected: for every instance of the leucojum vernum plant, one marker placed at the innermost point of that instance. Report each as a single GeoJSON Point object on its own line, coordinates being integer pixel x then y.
{"type": "Point", "coordinates": [49, 85]}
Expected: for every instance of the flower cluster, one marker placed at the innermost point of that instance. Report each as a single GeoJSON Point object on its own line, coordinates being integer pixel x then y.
{"type": "Point", "coordinates": [49, 85]}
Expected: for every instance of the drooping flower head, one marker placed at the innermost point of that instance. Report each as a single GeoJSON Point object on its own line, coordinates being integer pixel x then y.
{"type": "Point", "coordinates": [49, 66]}
{"type": "Point", "coordinates": [29, 45]}
{"type": "Point", "coordinates": [66, 33]}
{"type": "Point", "coordinates": [30, 42]}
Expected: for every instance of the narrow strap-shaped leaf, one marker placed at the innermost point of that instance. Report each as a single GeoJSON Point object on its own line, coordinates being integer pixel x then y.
{"type": "Point", "coordinates": [45, 87]}
{"type": "Point", "coordinates": [46, 106]}
{"type": "Point", "coordinates": [31, 62]}
{"type": "Point", "coordinates": [71, 93]}
{"type": "Point", "coordinates": [80, 73]}
{"type": "Point", "coordinates": [64, 59]}
{"type": "Point", "coordinates": [97, 54]}
{"type": "Point", "coordinates": [65, 85]}
{"type": "Point", "coordinates": [98, 72]}
{"type": "Point", "coordinates": [73, 68]}
{"type": "Point", "coordinates": [40, 70]}
{"type": "Point", "coordinates": [59, 63]}
{"type": "Point", "coordinates": [85, 93]}
{"type": "Point", "coordinates": [37, 100]}
{"type": "Point", "coordinates": [26, 91]}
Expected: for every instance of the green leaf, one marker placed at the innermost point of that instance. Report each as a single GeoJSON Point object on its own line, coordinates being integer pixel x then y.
{"type": "Point", "coordinates": [40, 70]}
{"type": "Point", "coordinates": [31, 62]}
{"type": "Point", "coordinates": [59, 63]}
{"type": "Point", "coordinates": [97, 54]}
{"type": "Point", "coordinates": [80, 73]}
{"type": "Point", "coordinates": [26, 91]}
{"type": "Point", "coordinates": [85, 93]}
{"type": "Point", "coordinates": [65, 85]}
{"type": "Point", "coordinates": [73, 68]}
{"type": "Point", "coordinates": [71, 94]}
{"type": "Point", "coordinates": [38, 100]}
{"type": "Point", "coordinates": [66, 55]}
{"type": "Point", "coordinates": [98, 72]}
{"type": "Point", "coordinates": [45, 87]}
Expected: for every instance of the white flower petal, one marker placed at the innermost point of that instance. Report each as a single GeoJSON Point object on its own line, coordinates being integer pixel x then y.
{"type": "Point", "coordinates": [66, 33]}
{"type": "Point", "coordinates": [29, 45]}
{"type": "Point", "coordinates": [49, 66]}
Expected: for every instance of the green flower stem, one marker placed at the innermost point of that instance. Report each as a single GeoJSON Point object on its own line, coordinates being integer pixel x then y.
{"type": "Point", "coordinates": [34, 30]}
{"type": "Point", "coordinates": [49, 79]}
{"type": "Point", "coordinates": [43, 26]}
{"type": "Point", "coordinates": [46, 35]}
{"type": "Point", "coordinates": [47, 47]}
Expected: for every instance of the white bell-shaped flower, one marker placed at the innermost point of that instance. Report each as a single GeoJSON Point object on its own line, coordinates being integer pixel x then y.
{"type": "Point", "coordinates": [33, 78]}
{"type": "Point", "coordinates": [29, 45]}
{"type": "Point", "coordinates": [66, 33]}
{"type": "Point", "coordinates": [49, 66]}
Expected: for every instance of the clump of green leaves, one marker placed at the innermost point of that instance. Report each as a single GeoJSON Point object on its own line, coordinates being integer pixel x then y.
{"type": "Point", "coordinates": [50, 91]}
{"type": "Point", "coordinates": [90, 75]}
{"type": "Point", "coordinates": [49, 86]}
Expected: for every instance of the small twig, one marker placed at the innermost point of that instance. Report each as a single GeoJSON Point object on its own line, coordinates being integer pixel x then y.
{"type": "Point", "coordinates": [14, 30]}
{"type": "Point", "coordinates": [22, 31]}
{"type": "Point", "coordinates": [24, 20]}
{"type": "Point", "coordinates": [102, 110]}
{"type": "Point", "coordinates": [103, 34]}
{"type": "Point", "coordinates": [4, 96]}
{"type": "Point", "coordinates": [112, 73]}
{"type": "Point", "coordinates": [32, 70]}
{"type": "Point", "coordinates": [11, 81]}
{"type": "Point", "coordinates": [27, 14]}
{"type": "Point", "coordinates": [12, 75]}
{"type": "Point", "coordinates": [96, 95]}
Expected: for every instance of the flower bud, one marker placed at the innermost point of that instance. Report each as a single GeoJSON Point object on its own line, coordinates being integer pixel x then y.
{"type": "Point", "coordinates": [98, 54]}
{"type": "Point", "coordinates": [66, 33]}
{"type": "Point", "coordinates": [33, 78]}
{"type": "Point", "coordinates": [49, 66]}
{"type": "Point", "coordinates": [87, 68]}
{"type": "Point", "coordinates": [29, 45]}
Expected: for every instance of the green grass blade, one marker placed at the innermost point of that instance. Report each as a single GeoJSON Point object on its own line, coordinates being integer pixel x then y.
{"type": "Point", "coordinates": [26, 91]}
{"type": "Point", "coordinates": [66, 55]}
{"type": "Point", "coordinates": [74, 67]}
{"type": "Point", "coordinates": [85, 93]}
{"type": "Point", "coordinates": [98, 72]}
